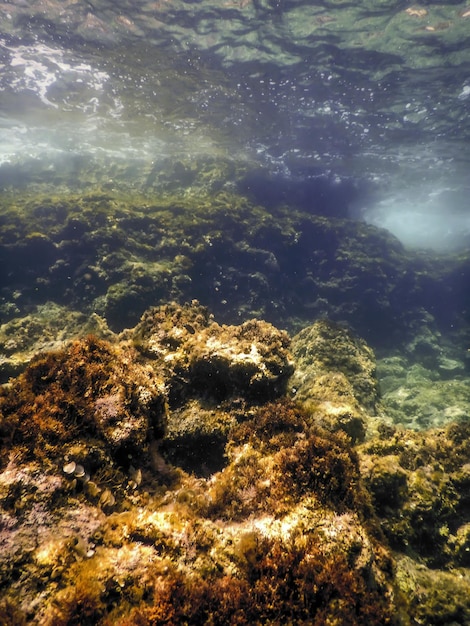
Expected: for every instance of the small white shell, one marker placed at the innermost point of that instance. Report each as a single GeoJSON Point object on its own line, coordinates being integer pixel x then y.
{"type": "Point", "coordinates": [136, 477]}
{"type": "Point", "coordinates": [107, 498]}
{"type": "Point", "coordinates": [79, 471]}
{"type": "Point", "coordinates": [69, 468]}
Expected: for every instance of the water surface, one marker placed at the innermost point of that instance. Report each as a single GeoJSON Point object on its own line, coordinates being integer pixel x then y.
{"type": "Point", "coordinates": [375, 92]}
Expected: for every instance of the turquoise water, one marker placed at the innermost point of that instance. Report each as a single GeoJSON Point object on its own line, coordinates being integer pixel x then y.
{"type": "Point", "coordinates": [374, 92]}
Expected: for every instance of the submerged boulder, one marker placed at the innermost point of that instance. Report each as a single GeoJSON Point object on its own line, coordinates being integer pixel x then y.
{"type": "Point", "coordinates": [91, 390]}
{"type": "Point", "coordinates": [335, 377]}
{"type": "Point", "coordinates": [205, 359]}
{"type": "Point", "coordinates": [163, 478]}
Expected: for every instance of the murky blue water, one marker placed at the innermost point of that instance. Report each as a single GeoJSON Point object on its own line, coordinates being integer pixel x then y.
{"type": "Point", "coordinates": [375, 93]}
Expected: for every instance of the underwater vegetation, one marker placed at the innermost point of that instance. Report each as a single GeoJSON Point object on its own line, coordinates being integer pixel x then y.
{"type": "Point", "coordinates": [419, 485]}
{"type": "Point", "coordinates": [278, 458]}
{"type": "Point", "coordinates": [160, 467]}
{"type": "Point", "coordinates": [102, 525]}
{"type": "Point", "coordinates": [91, 390]}
{"type": "Point", "coordinates": [117, 254]}
{"type": "Point", "coordinates": [181, 473]}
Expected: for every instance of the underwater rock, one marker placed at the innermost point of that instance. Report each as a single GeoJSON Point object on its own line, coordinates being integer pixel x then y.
{"type": "Point", "coordinates": [237, 506]}
{"type": "Point", "coordinates": [335, 377]}
{"type": "Point", "coordinates": [277, 456]}
{"type": "Point", "coordinates": [90, 390]}
{"type": "Point", "coordinates": [211, 372]}
{"type": "Point", "coordinates": [144, 284]}
{"type": "Point", "coordinates": [204, 359]}
{"type": "Point", "coordinates": [47, 328]}
{"type": "Point", "coordinates": [436, 596]}
{"type": "Point", "coordinates": [419, 397]}
{"type": "Point", "coordinates": [165, 476]}
{"type": "Point", "coordinates": [283, 530]}
{"type": "Point", "coordinates": [116, 254]}
{"type": "Point", "coordinates": [419, 485]}
{"type": "Point", "coordinates": [197, 435]}
{"type": "Point", "coordinates": [326, 346]}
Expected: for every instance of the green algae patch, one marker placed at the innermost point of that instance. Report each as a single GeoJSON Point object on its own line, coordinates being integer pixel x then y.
{"type": "Point", "coordinates": [436, 596]}
{"type": "Point", "coordinates": [335, 377]}
{"type": "Point", "coordinates": [47, 327]}
{"type": "Point", "coordinates": [115, 254]}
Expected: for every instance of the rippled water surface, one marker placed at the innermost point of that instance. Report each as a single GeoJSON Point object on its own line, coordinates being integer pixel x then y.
{"type": "Point", "coordinates": [375, 92]}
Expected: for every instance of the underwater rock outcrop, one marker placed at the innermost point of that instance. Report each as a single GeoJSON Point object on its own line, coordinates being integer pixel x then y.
{"type": "Point", "coordinates": [48, 327]}
{"type": "Point", "coordinates": [419, 485]}
{"type": "Point", "coordinates": [208, 360]}
{"type": "Point", "coordinates": [211, 371]}
{"type": "Point", "coordinates": [335, 377]}
{"type": "Point", "coordinates": [91, 391]}
{"type": "Point", "coordinates": [116, 254]}
{"type": "Point", "coordinates": [102, 524]}
{"type": "Point", "coordinates": [167, 476]}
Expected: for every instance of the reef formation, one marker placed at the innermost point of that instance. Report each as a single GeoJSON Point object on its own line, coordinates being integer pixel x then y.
{"type": "Point", "coordinates": [189, 472]}
{"type": "Point", "coordinates": [118, 253]}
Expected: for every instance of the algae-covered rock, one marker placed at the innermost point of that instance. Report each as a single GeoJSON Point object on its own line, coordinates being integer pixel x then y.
{"type": "Point", "coordinates": [436, 596]}
{"type": "Point", "coordinates": [283, 530]}
{"type": "Point", "coordinates": [422, 397]}
{"type": "Point", "coordinates": [461, 545]}
{"type": "Point", "coordinates": [335, 376]}
{"type": "Point", "coordinates": [163, 476]}
{"type": "Point", "coordinates": [206, 364]}
{"type": "Point", "coordinates": [326, 347]}
{"type": "Point", "coordinates": [223, 506]}
{"type": "Point", "coordinates": [213, 361]}
{"type": "Point", "coordinates": [419, 485]}
{"type": "Point", "coordinates": [49, 327]}
{"type": "Point", "coordinates": [141, 285]}
{"type": "Point", "coordinates": [116, 253]}
{"type": "Point", "coordinates": [197, 434]}
{"type": "Point", "coordinates": [92, 390]}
